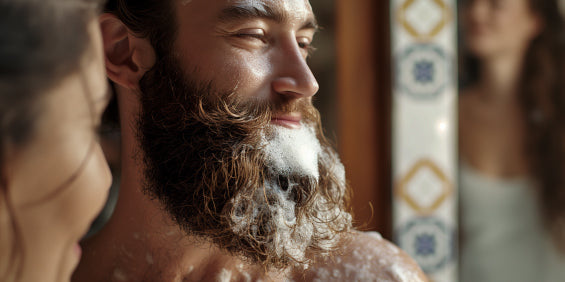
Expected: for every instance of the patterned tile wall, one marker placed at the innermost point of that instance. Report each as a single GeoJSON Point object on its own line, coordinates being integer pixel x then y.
{"type": "Point", "coordinates": [424, 133]}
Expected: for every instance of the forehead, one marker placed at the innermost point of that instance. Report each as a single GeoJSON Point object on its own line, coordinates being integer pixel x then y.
{"type": "Point", "coordinates": [292, 10]}
{"type": "Point", "coordinates": [300, 7]}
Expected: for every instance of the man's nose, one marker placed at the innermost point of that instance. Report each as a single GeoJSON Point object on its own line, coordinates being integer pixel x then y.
{"type": "Point", "coordinates": [294, 78]}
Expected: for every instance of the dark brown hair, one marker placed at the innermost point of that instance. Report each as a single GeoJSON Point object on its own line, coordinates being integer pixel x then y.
{"type": "Point", "coordinates": [542, 97]}
{"type": "Point", "coordinates": [42, 42]}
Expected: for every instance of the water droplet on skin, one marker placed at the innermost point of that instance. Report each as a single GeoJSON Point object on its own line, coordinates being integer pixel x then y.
{"type": "Point", "coordinates": [119, 275]}
{"type": "Point", "coordinates": [224, 276]}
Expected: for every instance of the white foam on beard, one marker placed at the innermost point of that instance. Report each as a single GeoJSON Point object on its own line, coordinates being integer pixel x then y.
{"type": "Point", "coordinates": [290, 152]}
{"type": "Point", "coordinates": [332, 159]}
{"type": "Point", "coordinates": [291, 238]}
{"type": "Point", "coordinates": [293, 151]}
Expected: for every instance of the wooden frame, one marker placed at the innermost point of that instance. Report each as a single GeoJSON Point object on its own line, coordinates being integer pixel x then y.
{"type": "Point", "coordinates": [364, 108]}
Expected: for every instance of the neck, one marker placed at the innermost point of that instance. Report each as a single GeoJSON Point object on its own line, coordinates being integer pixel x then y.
{"type": "Point", "coordinates": [499, 78]}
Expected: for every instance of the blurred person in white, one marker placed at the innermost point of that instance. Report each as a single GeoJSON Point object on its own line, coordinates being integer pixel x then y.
{"type": "Point", "coordinates": [512, 141]}
{"type": "Point", "coordinates": [53, 176]}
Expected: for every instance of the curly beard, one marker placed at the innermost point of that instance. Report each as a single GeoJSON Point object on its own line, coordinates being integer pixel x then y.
{"type": "Point", "coordinates": [274, 196]}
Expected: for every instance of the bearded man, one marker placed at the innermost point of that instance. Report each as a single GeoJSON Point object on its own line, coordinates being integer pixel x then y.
{"type": "Point", "coordinates": [226, 174]}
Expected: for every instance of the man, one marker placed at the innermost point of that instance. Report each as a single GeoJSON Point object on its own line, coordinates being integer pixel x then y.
{"type": "Point", "coordinates": [226, 174]}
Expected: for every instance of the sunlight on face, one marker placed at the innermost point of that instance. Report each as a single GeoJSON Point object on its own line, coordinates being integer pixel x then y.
{"type": "Point", "coordinates": [253, 48]}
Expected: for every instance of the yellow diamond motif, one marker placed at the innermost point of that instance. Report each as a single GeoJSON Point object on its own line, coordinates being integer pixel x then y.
{"type": "Point", "coordinates": [424, 19]}
{"type": "Point", "coordinates": [425, 187]}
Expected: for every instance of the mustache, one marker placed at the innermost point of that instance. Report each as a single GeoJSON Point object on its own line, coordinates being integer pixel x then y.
{"type": "Point", "coordinates": [232, 108]}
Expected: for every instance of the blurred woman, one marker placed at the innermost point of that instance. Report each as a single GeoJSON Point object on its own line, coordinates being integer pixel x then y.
{"type": "Point", "coordinates": [53, 176]}
{"type": "Point", "coordinates": [512, 141]}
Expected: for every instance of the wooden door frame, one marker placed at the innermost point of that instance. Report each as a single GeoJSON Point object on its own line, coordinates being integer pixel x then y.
{"type": "Point", "coordinates": [364, 108]}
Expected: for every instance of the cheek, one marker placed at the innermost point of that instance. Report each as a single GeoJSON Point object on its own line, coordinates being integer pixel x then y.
{"type": "Point", "coordinates": [515, 34]}
{"type": "Point", "coordinates": [87, 193]}
{"type": "Point", "coordinates": [253, 78]}
{"type": "Point", "coordinates": [505, 23]}
{"type": "Point", "coordinates": [94, 183]}
{"type": "Point", "coordinates": [229, 67]}
{"type": "Point", "coordinates": [247, 74]}
{"type": "Point", "coordinates": [513, 20]}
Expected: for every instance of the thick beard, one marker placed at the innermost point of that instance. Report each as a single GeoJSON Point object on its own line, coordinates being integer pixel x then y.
{"type": "Point", "coordinates": [206, 162]}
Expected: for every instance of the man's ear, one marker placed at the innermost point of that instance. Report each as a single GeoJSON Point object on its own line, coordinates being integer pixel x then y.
{"type": "Point", "coordinates": [128, 57]}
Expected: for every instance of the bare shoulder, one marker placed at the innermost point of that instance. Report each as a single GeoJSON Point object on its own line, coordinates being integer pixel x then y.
{"type": "Point", "coordinates": [366, 256]}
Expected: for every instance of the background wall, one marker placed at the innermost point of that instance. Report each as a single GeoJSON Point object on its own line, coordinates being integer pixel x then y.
{"type": "Point", "coordinates": [352, 65]}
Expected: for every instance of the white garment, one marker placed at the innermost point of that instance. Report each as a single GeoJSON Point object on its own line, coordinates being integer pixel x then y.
{"type": "Point", "coordinates": [503, 239]}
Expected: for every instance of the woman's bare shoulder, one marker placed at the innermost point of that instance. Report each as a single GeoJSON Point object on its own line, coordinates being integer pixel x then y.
{"type": "Point", "coordinates": [366, 256]}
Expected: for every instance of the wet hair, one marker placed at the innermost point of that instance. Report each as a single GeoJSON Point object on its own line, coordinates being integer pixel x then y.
{"type": "Point", "coordinates": [542, 99]}
{"type": "Point", "coordinates": [41, 42]}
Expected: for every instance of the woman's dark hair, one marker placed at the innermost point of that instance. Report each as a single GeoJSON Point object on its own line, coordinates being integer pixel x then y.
{"type": "Point", "coordinates": [542, 99]}
{"type": "Point", "coordinates": [41, 42]}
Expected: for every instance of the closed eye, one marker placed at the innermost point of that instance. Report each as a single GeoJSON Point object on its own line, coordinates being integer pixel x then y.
{"type": "Point", "coordinates": [252, 33]}
{"type": "Point", "coordinates": [305, 44]}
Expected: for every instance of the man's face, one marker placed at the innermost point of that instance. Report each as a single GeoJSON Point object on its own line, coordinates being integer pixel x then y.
{"type": "Point", "coordinates": [257, 47]}
{"type": "Point", "coordinates": [232, 145]}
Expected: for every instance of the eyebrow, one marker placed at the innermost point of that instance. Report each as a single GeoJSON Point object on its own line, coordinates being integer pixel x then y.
{"type": "Point", "coordinates": [243, 12]}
